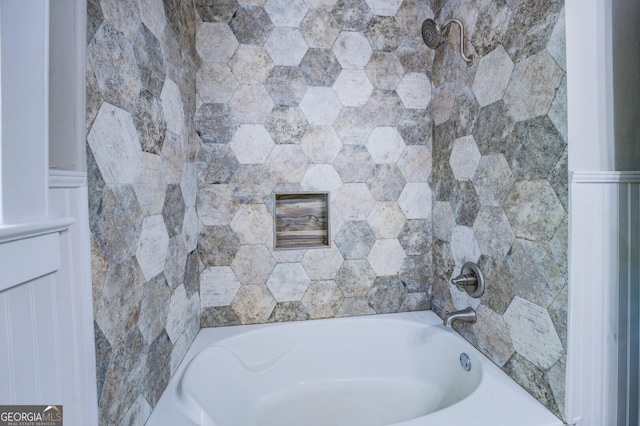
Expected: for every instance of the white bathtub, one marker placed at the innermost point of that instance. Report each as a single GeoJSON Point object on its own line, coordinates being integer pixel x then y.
{"type": "Point", "coordinates": [397, 369]}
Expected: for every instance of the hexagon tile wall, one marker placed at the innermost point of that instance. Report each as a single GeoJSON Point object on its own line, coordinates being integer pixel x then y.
{"type": "Point", "coordinates": [197, 112]}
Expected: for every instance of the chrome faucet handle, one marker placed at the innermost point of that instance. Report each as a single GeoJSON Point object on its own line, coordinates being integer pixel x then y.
{"type": "Point", "coordinates": [470, 280]}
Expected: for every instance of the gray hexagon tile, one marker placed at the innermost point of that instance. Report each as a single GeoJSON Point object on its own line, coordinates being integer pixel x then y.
{"type": "Point", "coordinates": [492, 77]}
{"type": "Point", "coordinates": [493, 180]}
{"type": "Point", "coordinates": [534, 210]}
{"type": "Point", "coordinates": [386, 219]}
{"type": "Point", "coordinates": [172, 106]}
{"type": "Point", "coordinates": [354, 164]}
{"type": "Point", "coordinates": [171, 162]}
{"type": "Point", "coordinates": [464, 247]}
{"type": "Point", "coordinates": [493, 232]}
{"type": "Point", "coordinates": [253, 304]}
{"type": "Point", "coordinates": [355, 306]}
{"type": "Point", "coordinates": [416, 128]}
{"type": "Point", "coordinates": [252, 144]}
{"type": "Point", "coordinates": [532, 333]}
{"type": "Point", "coordinates": [251, 103]}
{"type": "Point", "coordinates": [251, 25]}
{"type": "Point", "coordinates": [219, 11]}
{"type": "Point", "coordinates": [492, 128]}
{"type": "Point", "coordinates": [416, 237]}
{"type": "Point", "coordinates": [355, 278]}
{"type": "Point", "coordinates": [384, 108]}
{"type": "Point", "coordinates": [286, 85]}
{"type": "Point", "coordinates": [385, 145]}
{"type": "Point", "coordinates": [251, 64]}
{"type": "Point", "coordinates": [355, 239]}
{"type": "Point", "coordinates": [387, 182]}
{"type": "Point", "coordinates": [557, 42]}
{"type": "Point", "coordinates": [319, 28]}
{"type": "Point", "coordinates": [384, 7]}
{"type": "Point", "coordinates": [383, 33]}
{"type": "Point", "coordinates": [321, 178]}
{"type": "Point", "coordinates": [215, 123]}
{"type": "Point", "coordinates": [320, 105]}
{"type": "Point", "coordinates": [410, 14]}
{"type": "Point", "coordinates": [287, 163]}
{"type": "Point", "coordinates": [173, 210]}
{"type": "Point", "coordinates": [149, 56]}
{"type": "Point", "coordinates": [253, 264]}
{"type": "Point", "coordinates": [386, 257]}
{"type": "Point", "coordinates": [533, 86]}
{"type": "Point", "coordinates": [353, 88]}
{"type": "Point", "coordinates": [322, 264]}
{"type": "Point", "coordinates": [492, 336]}
{"type": "Point", "coordinates": [352, 50]}
{"type": "Point", "coordinates": [443, 220]}
{"type": "Point", "coordinates": [353, 126]}
{"type": "Point", "coordinates": [289, 311]}
{"type": "Point", "coordinates": [215, 42]}
{"type": "Point", "coordinates": [148, 118]}
{"type": "Point", "coordinates": [352, 15]}
{"type": "Point", "coordinates": [218, 286]}
{"type": "Point", "coordinates": [154, 308]}
{"type": "Point", "coordinates": [384, 70]}
{"type": "Point", "coordinates": [354, 201]}
{"type": "Point", "coordinates": [321, 144]}
{"type": "Point", "coordinates": [176, 320]}
{"type": "Point", "coordinates": [464, 203]}
{"type": "Point", "coordinates": [216, 204]}
{"type": "Point", "coordinates": [320, 67]}
{"type": "Point", "coordinates": [415, 163]}
{"type": "Point", "coordinates": [415, 200]}
{"type": "Point", "coordinates": [288, 282]}
{"type": "Point", "coordinates": [286, 46]}
{"type": "Point", "coordinates": [152, 246]}
{"type": "Point", "coordinates": [322, 299]}
{"type": "Point", "coordinates": [252, 223]}
{"type": "Point", "coordinates": [217, 245]}
{"type": "Point", "coordinates": [415, 90]}
{"type": "Point", "coordinates": [491, 25]}
{"type": "Point", "coordinates": [387, 295]}
{"type": "Point", "coordinates": [286, 13]}
{"type": "Point", "coordinates": [286, 124]}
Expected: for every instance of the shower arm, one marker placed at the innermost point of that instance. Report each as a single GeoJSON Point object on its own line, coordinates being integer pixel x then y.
{"type": "Point", "coordinates": [467, 59]}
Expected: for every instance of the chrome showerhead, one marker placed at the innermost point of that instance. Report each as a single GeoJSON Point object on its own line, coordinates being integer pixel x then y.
{"type": "Point", "coordinates": [432, 36]}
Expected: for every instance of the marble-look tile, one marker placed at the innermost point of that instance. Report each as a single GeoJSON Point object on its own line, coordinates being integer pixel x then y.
{"type": "Point", "coordinates": [491, 25]}
{"type": "Point", "coordinates": [492, 336]}
{"type": "Point", "coordinates": [253, 264]}
{"type": "Point", "coordinates": [152, 246]}
{"type": "Point", "coordinates": [286, 46]}
{"type": "Point", "coordinates": [387, 182]}
{"type": "Point", "coordinates": [464, 113]}
{"type": "Point", "coordinates": [253, 304]}
{"type": "Point", "coordinates": [251, 25]}
{"type": "Point", "coordinates": [153, 16]}
{"type": "Point", "coordinates": [321, 144]}
{"type": "Point", "coordinates": [320, 105]}
{"type": "Point", "coordinates": [118, 309]}
{"type": "Point", "coordinates": [492, 128]}
{"type": "Point", "coordinates": [415, 163]}
{"type": "Point", "coordinates": [253, 224]}
{"type": "Point", "coordinates": [219, 316]}
{"type": "Point", "coordinates": [113, 59]}
{"type": "Point", "coordinates": [352, 50]}
{"type": "Point", "coordinates": [386, 219]}
{"type": "Point", "coordinates": [532, 86]}
{"type": "Point", "coordinates": [412, 53]}
{"type": "Point", "coordinates": [154, 308]}
{"type": "Point", "coordinates": [534, 210]}
{"type": "Point", "coordinates": [286, 13]}
{"type": "Point", "coordinates": [215, 123]}
{"type": "Point", "coordinates": [384, 70]}
{"type": "Point", "coordinates": [536, 276]}
{"type": "Point", "coordinates": [171, 162]}
{"type": "Point", "coordinates": [494, 71]}
{"type": "Point", "coordinates": [216, 11]}
{"type": "Point", "coordinates": [95, 17]}
{"type": "Point", "coordinates": [355, 278]}
{"type": "Point", "coordinates": [218, 286]}
{"type": "Point", "coordinates": [322, 299]}
{"type": "Point", "coordinates": [355, 306]}
{"type": "Point", "coordinates": [354, 201]}
{"type": "Point", "coordinates": [385, 145]}
{"type": "Point", "coordinates": [179, 351]}
{"type": "Point", "coordinates": [172, 105]}
{"type": "Point", "coordinates": [138, 413]}
{"type": "Point", "coordinates": [441, 106]}
{"type": "Point", "coordinates": [415, 200]}
{"type": "Point", "coordinates": [464, 203]}
{"type": "Point", "coordinates": [148, 118]}
{"type": "Point", "coordinates": [252, 144]}
{"type": "Point", "coordinates": [251, 103]}
{"type": "Point", "coordinates": [353, 88]}
{"type": "Point", "coordinates": [215, 42]}
{"type": "Point", "coordinates": [465, 157]}
{"type": "Point", "coordinates": [286, 85]}
{"type": "Point", "coordinates": [322, 264]}
{"type": "Point", "coordinates": [532, 333]}
{"type": "Point", "coordinates": [93, 95]}
{"type": "Point", "coordinates": [558, 311]}
{"type": "Point", "coordinates": [352, 15]}
{"type": "Point", "coordinates": [192, 274]}
{"type": "Point", "coordinates": [384, 7]}
{"type": "Point", "coordinates": [321, 178]}
{"type": "Point", "coordinates": [493, 232]}
{"type": "Point", "coordinates": [288, 282]}
{"type": "Point", "coordinates": [320, 67]}
{"type": "Point", "coordinates": [493, 180]}
{"type": "Point", "coordinates": [410, 14]}
{"type": "Point", "coordinates": [251, 64]}
{"type": "Point", "coordinates": [252, 183]}
{"type": "Point", "coordinates": [217, 245]}
{"type": "Point", "coordinates": [320, 28]}
{"type": "Point", "coordinates": [384, 108]}
{"type": "Point", "coordinates": [559, 246]}
{"type": "Point", "coordinates": [353, 126]}
{"type": "Point", "coordinates": [148, 53]}
{"type": "Point", "coordinates": [556, 376]}
{"type": "Point", "coordinates": [115, 145]}
{"type": "Point", "coordinates": [387, 294]}
{"type": "Point", "coordinates": [289, 311]}
{"type": "Point", "coordinates": [173, 210]}
{"type": "Point", "coordinates": [415, 302]}
{"type": "Point", "coordinates": [443, 220]}
{"type": "Point", "coordinates": [464, 247]}
{"type": "Point", "coordinates": [386, 257]}
{"type": "Point", "coordinates": [175, 264]}
{"type": "Point", "coordinates": [287, 163]}
{"type": "Point", "coordinates": [534, 148]}
{"type": "Point", "coordinates": [383, 33]}
{"type": "Point", "coordinates": [158, 368]}
{"type": "Point", "coordinates": [556, 45]}
{"type": "Point", "coordinates": [415, 90]}
{"type": "Point", "coordinates": [217, 204]}
{"type": "Point", "coordinates": [286, 124]}
{"type": "Point", "coordinates": [500, 291]}
{"type": "Point", "coordinates": [558, 111]}
{"type": "Point", "coordinates": [416, 237]}
{"type": "Point", "coordinates": [354, 164]}
{"type": "Point", "coordinates": [355, 239]}
{"type": "Point", "coordinates": [443, 264]}
{"type": "Point", "coordinates": [416, 128]}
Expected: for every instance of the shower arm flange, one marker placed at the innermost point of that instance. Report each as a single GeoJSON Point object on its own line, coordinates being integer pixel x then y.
{"type": "Point", "coordinates": [467, 59]}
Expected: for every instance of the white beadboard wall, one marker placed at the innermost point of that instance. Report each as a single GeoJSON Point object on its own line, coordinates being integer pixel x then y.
{"type": "Point", "coordinates": [47, 353]}
{"type": "Point", "coordinates": [602, 382]}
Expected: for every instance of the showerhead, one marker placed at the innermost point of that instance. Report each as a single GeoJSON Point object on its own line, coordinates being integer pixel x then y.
{"type": "Point", "coordinates": [431, 33]}
{"type": "Point", "coordinates": [432, 36]}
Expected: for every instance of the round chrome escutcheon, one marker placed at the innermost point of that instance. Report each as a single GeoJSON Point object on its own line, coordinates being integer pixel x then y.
{"type": "Point", "coordinates": [465, 362]}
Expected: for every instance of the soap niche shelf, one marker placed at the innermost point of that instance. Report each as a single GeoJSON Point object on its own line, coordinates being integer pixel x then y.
{"type": "Point", "coordinates": [301, 220]}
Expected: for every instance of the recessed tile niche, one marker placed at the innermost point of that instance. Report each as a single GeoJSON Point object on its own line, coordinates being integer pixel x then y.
{"type": "Point", "coordinates": [301, 220]}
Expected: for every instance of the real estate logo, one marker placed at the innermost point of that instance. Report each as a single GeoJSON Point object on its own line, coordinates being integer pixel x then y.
{"type": "Point", "coordinates": [30, 415]}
